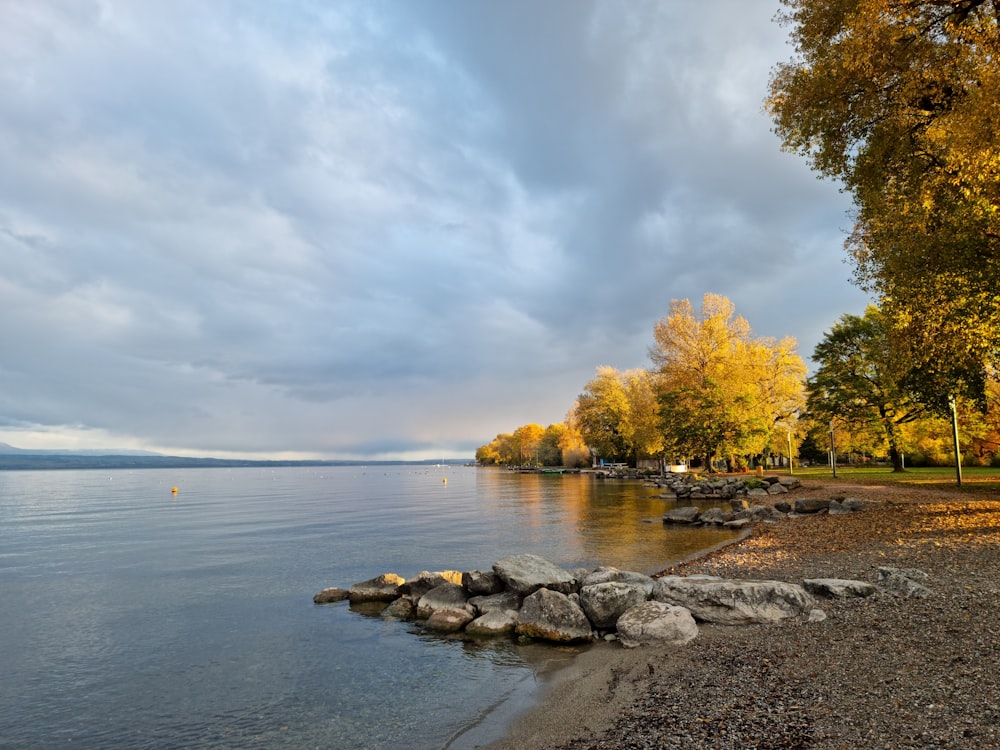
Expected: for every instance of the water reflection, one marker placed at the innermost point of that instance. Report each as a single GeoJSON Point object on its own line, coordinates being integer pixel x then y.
{"type": "Point", "coordinates": [585, 521]}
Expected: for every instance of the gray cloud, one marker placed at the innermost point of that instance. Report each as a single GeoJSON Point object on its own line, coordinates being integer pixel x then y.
{"type": "Point", "coordinates": [392, 228]}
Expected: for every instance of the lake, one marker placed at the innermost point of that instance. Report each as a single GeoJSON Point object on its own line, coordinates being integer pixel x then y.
{"type": "Point", "coordinates": [135, 617]}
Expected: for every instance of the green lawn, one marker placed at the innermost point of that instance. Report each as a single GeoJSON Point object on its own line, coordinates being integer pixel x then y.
{"type": "Point", "coordinates": [977, 479]}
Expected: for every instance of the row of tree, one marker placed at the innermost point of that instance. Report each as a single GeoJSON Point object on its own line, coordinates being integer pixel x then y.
{"type": "Point", "coordinates": [716, 392]}
{"type": "Point", "coordinates": [713, 391]}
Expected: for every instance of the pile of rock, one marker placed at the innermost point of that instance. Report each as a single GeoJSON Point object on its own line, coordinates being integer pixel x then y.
{"type": "Point", "coordinates": [741, 513]}
{"type": "Point", "coordinates": [694, 487]}
{"type": "Point", "coordinates": [529, 596]}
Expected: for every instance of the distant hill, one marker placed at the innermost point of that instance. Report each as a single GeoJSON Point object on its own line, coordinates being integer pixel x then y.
{"type": "Point", "coordinates": [8, 449]}
{"type": "Point", "coordinates": [13, 459]}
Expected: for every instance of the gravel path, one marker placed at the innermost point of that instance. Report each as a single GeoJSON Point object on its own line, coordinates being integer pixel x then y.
{"type": "Point", "coordinates": [883, 672]}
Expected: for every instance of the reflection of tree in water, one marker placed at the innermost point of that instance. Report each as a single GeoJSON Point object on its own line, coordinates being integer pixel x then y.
{"type": "Point", "coordinates": [578, 520]}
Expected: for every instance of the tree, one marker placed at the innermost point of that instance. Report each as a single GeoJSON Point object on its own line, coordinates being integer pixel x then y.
{"type": "Point", "coordinates": [528, 439]}
{"type": "Point", "coordinates": [721, 390]}
{"type": "Point", "coordinates": [861, 380]}
{"type": "Point", "coordinates": [602, 412]}
{"type": "Point", "coordinates": [899, 100]}
{"type": "Point", "coordinates": [616, 414]}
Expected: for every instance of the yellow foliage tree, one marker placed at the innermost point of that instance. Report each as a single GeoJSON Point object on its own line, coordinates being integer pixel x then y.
{"type": "Point", "coordinates": [900, 102]}
{"type": "Point", "coordinates": [721, 391]}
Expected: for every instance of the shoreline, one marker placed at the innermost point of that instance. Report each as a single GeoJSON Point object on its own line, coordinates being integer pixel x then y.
{"type": "Point", "coordinates": [884, 671]}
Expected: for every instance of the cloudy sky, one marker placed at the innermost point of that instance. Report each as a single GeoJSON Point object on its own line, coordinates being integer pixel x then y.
{"type": "Point", "coordinates": [381, 229]}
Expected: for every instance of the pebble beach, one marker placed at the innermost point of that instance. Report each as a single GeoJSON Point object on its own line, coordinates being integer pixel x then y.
{"type": "Point", "coordinates": [878, 672]}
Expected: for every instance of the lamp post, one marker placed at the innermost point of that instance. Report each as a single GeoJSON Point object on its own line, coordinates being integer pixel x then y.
{"type": "Point", "coordinates": [791, 463]}
{"type": "Point", "coordinates": [954, 437]}
{"type": "Point", "coordinates": [833, 451]}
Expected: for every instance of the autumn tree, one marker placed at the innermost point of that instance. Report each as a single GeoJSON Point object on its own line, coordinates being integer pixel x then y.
{"type": "Point", "coordinates": [861, 380]}
{"type": "Point", "coordinates": [573, 450]}
{"type": "Point", "coordinates": [616, 414]}
{"type": "Point", "coordinates": [721, 391]}
{"type": "Point", "coordinates": [559, 444]}
{"type": "Point", "coordinates": [900, 102]}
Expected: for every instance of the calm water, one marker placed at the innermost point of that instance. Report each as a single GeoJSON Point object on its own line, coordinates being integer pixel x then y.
{"type": "Point", "coordinates": [131, 617]}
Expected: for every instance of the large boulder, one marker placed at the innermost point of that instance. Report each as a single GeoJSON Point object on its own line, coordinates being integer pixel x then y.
{"type": "Point", "coordinates": [604, 603]}
{"type": "Point", "coordinates": [493, 622]}
{"type": "Point", "coordinates": [838, 588]}
{"type": "Point", "coordinates": [402, 609]}
{"type": "Point", "coordinates": [383, 588]}
{"type": "Point", "coordinates": [447, 597]}
{"type": "Point", "coordinates": [716, 516]}
{"type": "Point", "coordinates": [605, 574]}
{"type": "Point", "coordinates": [525, 574]}
{"type": "Point", "coordinates": [424, 581]}
{"type": "Point", "coordinates": [482, 582]}
{"type": "Point", "coordinates": [333, 594]}
{"type": "Point", "coordinates": [448, 620]}
{"type": "Point", "coordinates": [903, 582]}
{"type": "Point", "coordinates": [732, 602]}
{"type": "Point", "coordinates": [504, 600]}
{"type": "Point", "coordinates": [656, 622]}
{"type": "Point", "coordinates": [811, 505]}
{"type": "Point", "coordinates": [684, 514]}
{"type": "Point", "coordinates": [553, 616]}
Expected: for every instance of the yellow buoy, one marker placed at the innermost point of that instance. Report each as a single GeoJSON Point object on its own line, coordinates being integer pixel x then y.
{"type": "Point", "coordinates": [444, 480]}
{"type": "Point", "coordinates": [174, 490]}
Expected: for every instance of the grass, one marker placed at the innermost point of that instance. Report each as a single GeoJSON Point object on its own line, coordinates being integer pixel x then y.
{"type": "Point", "coordinates": [977, 479]}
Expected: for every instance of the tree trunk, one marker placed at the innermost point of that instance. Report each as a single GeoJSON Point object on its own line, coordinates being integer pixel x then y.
{"type": "Point", "coordinates": [895, 456]}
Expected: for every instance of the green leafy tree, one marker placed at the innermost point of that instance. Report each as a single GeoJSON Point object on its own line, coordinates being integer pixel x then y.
{"type": "Point", "coordinates": [860, 380]}
{"type": "Point", "coordinates": [899, 101]}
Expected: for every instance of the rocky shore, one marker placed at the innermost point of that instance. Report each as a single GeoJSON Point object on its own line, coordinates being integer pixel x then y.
{"type": "Point", "coordinates": [881, 671]}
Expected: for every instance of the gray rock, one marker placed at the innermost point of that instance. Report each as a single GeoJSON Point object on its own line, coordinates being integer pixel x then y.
{"type": "Point", "coordinates": [493, 622]}
{"type": "Point", "coordinates": [777, 489]}
{"type": "Point", "coordinates": [837, 509]}
{"type": "Point", "coordinates": [816, 615]}
{"type": "Point", "coordinates": [482, 582]}
{"type": "Point", "coordinates": [424, 581]}
{"type": "Point", "coordinates": [903, 582]}
{"type": "Point", "coordinates": [838, 588]}
{"type": "Point", "coordinates": [738, 523]}
{"type": "Point", "coordinates": [687, 514]}
{"type": "Point", "coordinates": [383, 588]}
{"type": "Point", "coordinates": [505, 600]}
{"type": "Point", "coordinates": [811, 505]}
{"type": "Point", "coordinates": [448, 620]}
{"type": "Point", "coordinates": [525, 574]}
{"type": "Point", "coordinates": [715, 516]}
{"type": "Point", "coordinates": [732, 602]}
{"type": "Point", "coordinates": [550, 615]}
{"type": "Point", "coordinates": [853, 504]}
{"type": "Point", "coordinates": [783, 507]}
{"type": "Point", "coordinates": [447, 596]}
{"type": "Point", "coordinates": [402, 608]}
{"type": "Point", "coordinates": [607, 574]}
{"type": "Point", "coordinates": [656, 622]}
{"type": "Point", "coordinates": [791, 482]}
{"type": "Point", "coordinates": [326, 596]}
{"type": "Point", "coordinates": [758, 513]}
{"type": "Point", "coordinates": [604, 603]}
